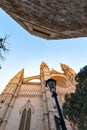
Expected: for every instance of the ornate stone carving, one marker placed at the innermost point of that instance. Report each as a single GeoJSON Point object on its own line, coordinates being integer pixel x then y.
{"type": "Point", "coordinates": [30, 93]}
{"type": "Point", "coordinates": [27, 106]}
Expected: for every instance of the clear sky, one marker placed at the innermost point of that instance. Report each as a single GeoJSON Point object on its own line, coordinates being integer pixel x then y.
{"type": "Point", "coordinates": [28, 51]}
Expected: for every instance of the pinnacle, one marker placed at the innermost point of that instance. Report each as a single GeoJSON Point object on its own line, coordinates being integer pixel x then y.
{"type": "Point", "coordinates": [17, 77]}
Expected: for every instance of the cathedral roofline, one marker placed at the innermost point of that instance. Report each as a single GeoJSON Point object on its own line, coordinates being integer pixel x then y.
{"type": "Point", "coordinates": [67, 68]}
{"type": "Point", "coordinates": [17, 77]}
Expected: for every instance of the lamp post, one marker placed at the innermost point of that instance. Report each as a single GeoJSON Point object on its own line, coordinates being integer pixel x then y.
{"type": "Point", "coordinates": [51, 85]}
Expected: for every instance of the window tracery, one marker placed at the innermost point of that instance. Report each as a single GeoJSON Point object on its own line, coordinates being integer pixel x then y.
{"type": "Point", "coordinates": [26, 112]}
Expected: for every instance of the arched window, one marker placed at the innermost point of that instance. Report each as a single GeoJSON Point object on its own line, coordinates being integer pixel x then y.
{"type": "Point", "coordinates": [25, 120]}
{"type": "Point", "coordinates": [28, 119]}
{"type": "Point", "coordinates": [22, 122]}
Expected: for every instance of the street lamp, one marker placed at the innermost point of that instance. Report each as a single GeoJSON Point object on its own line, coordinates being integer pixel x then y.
{"type": "Point", "coordinates": [51, 85]}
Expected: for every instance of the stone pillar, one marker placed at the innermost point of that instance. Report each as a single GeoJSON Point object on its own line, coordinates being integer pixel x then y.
{"type": "Point", "coordinates": [5, 120]}
{"type": "Point", "coordinates": [45, 112]}
{"type": "Point", "coordinates": [11, 91]}
{"type": "Point", "coordinates": [50, 110]}
{"type": "Point", "coordinates": [43, 70]}
{"type": "Point", "coordinates": [4, 108]}
{"type": "Point", "coordinates": [47, 99]}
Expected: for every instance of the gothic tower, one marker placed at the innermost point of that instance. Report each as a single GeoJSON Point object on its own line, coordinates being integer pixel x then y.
{"type": "Point", "coordinates": [28, 105]}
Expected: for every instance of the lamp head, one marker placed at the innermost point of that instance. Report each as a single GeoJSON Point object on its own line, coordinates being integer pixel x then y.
{"type": "Point", "coordinates": [51, 85]}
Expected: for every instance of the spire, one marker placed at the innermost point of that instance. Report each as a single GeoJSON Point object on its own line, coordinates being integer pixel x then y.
{"type": "Point", "coordinates": [67, 68]}
{"type": "Point", "coordinates": [43, 64]}
{"type": "Point", "coordinates": [17, 77]}
{"type": "Point", "coordinates": [64, 67]}
{"type": "Point", "coordinates": [44, 67]}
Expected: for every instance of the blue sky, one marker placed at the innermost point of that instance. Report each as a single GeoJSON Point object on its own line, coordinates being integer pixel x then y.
{"type": "Point", "coordinates": [28, 51]}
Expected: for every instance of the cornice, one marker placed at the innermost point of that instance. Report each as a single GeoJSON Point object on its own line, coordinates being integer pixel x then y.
{"type": "Point", "coordinates": [30, 93]}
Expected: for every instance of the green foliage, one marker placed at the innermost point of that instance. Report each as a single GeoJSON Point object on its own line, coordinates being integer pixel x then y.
{"type": "Point", "coordinates": [75, 105]}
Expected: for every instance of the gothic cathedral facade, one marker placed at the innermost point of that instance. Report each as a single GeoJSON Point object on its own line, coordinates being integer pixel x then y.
{"type": "Point", "coordinates": [28, 105]}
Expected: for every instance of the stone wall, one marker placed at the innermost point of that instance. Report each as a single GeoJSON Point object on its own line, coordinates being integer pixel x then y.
{"type": "Point", "coordinates": [50, 19]}
{"type": "Point", "coordinates": [35, 103]}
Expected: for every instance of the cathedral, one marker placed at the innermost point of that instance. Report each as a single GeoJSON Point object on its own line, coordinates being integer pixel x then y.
{"type": "Point", "coordinates": [26, 104]}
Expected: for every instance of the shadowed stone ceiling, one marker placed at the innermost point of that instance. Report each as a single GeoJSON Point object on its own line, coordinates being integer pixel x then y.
{"type": "Point", "coordinates": [49, 19]}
